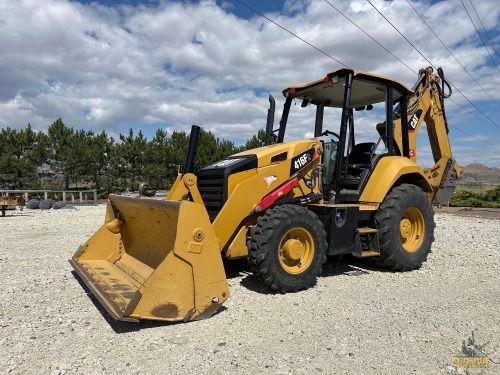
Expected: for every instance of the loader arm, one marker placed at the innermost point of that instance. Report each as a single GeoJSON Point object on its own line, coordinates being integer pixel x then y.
{"type": "Point", "coordinates": [427, 106]}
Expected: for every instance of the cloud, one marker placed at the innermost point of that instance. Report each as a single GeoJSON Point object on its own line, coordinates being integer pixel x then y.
{"type": "Point", "coordinates": [173, 64]}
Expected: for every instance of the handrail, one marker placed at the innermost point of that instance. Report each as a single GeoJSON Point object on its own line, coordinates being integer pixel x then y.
{"type": "Point", "coordinates": [45, 192]}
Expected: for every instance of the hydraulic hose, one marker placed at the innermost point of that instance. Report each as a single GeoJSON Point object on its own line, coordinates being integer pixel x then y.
{"type": "Point", "coordinates": [442, 95]}
{"type": "Point", "coordinates": [444, 82]}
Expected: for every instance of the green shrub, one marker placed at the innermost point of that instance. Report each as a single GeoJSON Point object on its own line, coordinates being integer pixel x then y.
{"type": "Point", "coordinates": [465, 198]}
{"type": "Point", "coordinates": [491, 204]}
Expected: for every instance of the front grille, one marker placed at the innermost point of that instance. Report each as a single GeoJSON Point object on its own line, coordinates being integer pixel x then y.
{"type": "Point", "coordinates": [212, 181]}
{"type": "Point", "coordinates": [211, 189]}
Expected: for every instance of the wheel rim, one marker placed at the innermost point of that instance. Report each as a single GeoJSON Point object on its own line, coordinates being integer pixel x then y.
{"type": "Point", "coordinates": [411, 229]}
{"type": "Point", "coordinates": [296, 250]}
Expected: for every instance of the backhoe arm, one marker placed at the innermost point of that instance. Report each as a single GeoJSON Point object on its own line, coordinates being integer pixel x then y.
{"type": "Point", "coordinates": [427, 105]}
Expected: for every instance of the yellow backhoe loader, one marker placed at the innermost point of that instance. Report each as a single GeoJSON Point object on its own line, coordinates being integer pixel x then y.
{"type": "Point", "coordinates": [285, 206]}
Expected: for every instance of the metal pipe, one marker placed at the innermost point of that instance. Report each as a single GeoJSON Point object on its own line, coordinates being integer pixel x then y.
{"type": "Point", "coordinates": [270, 121]}
{"type": "Point", "coordinates": [191, 151]}
{"type": "Point", "coordinates": [284, 119]}
{"type": "Point", "coordinates": [343, 132]}
{"type": "Point", "coordinates": [318, 126]}
{"type": "Point", "coordinates": [389, 129]}
{"type": "Point", "coordinates": [404, 128]}
{"type": "Point", "coordinates": [420, 79]}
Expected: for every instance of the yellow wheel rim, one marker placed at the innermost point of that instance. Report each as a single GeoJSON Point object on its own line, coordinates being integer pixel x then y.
{"type": "Point", "coordinates": [296, 250]}
{"type": "Point", "coordinates": [412, 229]}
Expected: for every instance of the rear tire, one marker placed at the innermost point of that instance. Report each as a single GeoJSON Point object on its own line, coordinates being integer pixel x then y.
{"type": "Point", "coordinates": [405, 223]}
{"type": "Point", "coordinates": [287, 248]}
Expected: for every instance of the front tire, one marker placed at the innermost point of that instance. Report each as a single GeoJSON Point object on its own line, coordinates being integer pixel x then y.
{"type": "Point", "coordinates": [405, 223]}
{"type": "Point", "coordinates": [287, 248]}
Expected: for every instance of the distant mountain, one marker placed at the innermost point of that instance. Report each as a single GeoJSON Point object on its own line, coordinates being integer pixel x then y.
{"type": "Point", "coordinates": [480, 173]}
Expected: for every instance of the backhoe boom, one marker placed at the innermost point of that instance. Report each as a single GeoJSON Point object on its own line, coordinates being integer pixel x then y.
{"type": "Point", "coordinates": [427, 106]}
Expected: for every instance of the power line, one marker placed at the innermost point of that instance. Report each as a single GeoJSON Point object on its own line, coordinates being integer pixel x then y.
{"type": "Point", "coordinates": [477, 31]}
{"type": "Point", "coordinates": [395, 28]}
{"type": "Point", "coordinates": [469, 112]}
{"type": "Point", "coordinates": [295, 35]}
{"type": "Point", "coordinates": [484, 28]}
{"type": "Point", "coordinates": [426, 59]}
{"type": "Point", "coordinates": [470, 135]}
{"type": "Point", "coordinates": [316, 48]}
{"type": "Point", "coordinates": [397, 58]}
{"type": "Point", "coordinates": [369, 36]}
{"type": "Point", "coordinates": [466, 98]}
{"type": "Point", "coordinates": [451, 53]}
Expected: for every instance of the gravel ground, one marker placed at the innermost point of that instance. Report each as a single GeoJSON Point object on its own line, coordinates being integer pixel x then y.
{"type": "Point", "coordinates": [485, 213]}
{"type": "Point", "coordinates": [357, 320]}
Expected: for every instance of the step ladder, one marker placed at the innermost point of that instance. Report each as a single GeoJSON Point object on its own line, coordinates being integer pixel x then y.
{"type": "Point", "coordinates": [367, 244]}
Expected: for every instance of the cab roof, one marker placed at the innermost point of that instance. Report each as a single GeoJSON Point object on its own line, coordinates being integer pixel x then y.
{"type": "Point", "coordinates": [367, 88]}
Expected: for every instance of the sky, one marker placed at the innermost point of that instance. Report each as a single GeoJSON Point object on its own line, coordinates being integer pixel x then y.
{"type": "Point", "coordinates": [156, 64]}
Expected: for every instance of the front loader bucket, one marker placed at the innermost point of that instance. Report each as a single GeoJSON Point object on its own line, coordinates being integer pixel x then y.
{"type": "Point", "coordinates": [154, 259]}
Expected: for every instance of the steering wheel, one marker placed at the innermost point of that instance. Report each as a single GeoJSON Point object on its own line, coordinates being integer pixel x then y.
{"type": "Point", "coordinates": [328, 132]}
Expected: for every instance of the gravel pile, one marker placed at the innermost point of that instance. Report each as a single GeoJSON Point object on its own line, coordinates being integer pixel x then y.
{"type": "Point", "coordinates": [357, 320]}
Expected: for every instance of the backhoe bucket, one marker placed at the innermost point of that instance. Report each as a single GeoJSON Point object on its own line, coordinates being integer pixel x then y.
{"type": "Point", "coordinates": [154, 259]}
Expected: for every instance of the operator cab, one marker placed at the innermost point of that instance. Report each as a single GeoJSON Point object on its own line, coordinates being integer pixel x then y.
{"type": "Point", "coordinates": [349, 155]}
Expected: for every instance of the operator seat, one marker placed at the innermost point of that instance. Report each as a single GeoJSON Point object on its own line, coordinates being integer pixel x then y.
{"type": "Point", "coordinates": [358, 161]}
{"type": "Point", "coordinates": [360, 156]}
